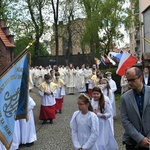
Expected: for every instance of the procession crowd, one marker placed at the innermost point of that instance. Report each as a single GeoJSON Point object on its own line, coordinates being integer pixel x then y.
{"type": "Point", "coordinates": [59, 81]}
{"type": "Point", "coordinates": [93, 124]}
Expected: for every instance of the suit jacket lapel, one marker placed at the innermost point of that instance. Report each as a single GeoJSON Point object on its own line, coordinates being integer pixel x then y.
{"type": "Point", "coordinates": [134, 103]}
{"type": "Point", "coordinates": [146, 97]}
{"type": "Point", "coordinates": [148, 81]}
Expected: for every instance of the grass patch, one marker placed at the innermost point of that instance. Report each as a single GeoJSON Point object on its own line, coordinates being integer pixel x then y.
{"type": "Point", "coordinates": [117, 97]}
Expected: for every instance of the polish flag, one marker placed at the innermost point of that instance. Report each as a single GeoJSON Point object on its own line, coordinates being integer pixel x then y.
{"type": "Point", "coordinates": [127, 60]}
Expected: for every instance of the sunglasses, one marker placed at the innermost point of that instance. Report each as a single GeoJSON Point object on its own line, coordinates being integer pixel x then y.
{"type": "Point", "coordinates": [132, 80]}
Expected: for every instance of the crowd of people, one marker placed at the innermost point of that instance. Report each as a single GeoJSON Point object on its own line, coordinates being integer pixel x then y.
{"type": "Point", "coordinates": [93, 124]}
{"type": "Point", "coordinates": [91, 128]}
{"type": "Point", "coordinates": [54, 83]}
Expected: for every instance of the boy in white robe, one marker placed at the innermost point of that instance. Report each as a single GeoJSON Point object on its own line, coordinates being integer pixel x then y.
{"type": "Point", "coordinates": [60, 92]}
{"type": "Point", "coordinates": [47, 91]}
{"type": "Point", "coordinates": [16, 136]}
{"type": "Point", "coordinates": [27, 128]}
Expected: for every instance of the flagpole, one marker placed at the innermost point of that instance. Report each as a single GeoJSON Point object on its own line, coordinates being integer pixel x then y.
{"type": "Point", "coordinates": [4, 71]}
{"type": "Point", "coordinates": [25, 50]}
{"type": "Point", "coordinates": [148, 41]}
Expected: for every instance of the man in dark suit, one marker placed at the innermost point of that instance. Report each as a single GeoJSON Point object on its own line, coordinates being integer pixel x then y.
{"type": "Point", "coordinates": [135, 111]}
{"type": "Point", "coordinates": [146, 76]}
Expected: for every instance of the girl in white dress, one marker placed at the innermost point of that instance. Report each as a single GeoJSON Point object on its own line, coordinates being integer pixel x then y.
{"type": "Point", "coordinates": [84, 125]}
{"type": "Point", "coordinates": [108, 92]}
{"type": "Point", "coordinates": [101, 107]}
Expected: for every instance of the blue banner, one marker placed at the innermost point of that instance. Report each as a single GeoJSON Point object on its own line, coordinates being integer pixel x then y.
{"type": "Point", "coordinates": [13, 98]}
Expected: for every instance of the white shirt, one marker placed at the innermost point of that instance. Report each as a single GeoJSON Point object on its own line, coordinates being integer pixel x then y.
{"type": "Point", "coordinates": [146, 79]}
{"type": "Point", "coordinates": [48, 100]}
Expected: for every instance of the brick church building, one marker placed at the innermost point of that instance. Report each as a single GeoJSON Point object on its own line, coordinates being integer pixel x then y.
{"type": "Point", "coordinates": [6, 46]}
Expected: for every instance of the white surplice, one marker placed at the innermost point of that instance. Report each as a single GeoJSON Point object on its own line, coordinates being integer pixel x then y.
{"type": "Point", "coordinates": [27, 128]}
{"type": "Point", "coordinates": [113, 87]}
{"type": "Point", "coordinates": [16, 136]}
{"type": "Point", "coordinates": [2, 147]}
{"type": "Point", "coordinates": [31, 84]}
{"type": "Point", "coordinates": [85, 130]}
{"type": "Point", "coordinates": [48, 100]}
{"type": "Point", "coordinates": [80, 81]}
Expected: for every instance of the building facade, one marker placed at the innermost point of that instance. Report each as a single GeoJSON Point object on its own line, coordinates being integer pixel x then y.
{"type": "Point", "coordinates": [69, 38]}
{"type": "Point", "coordinates": [140, 27]}
{"type": "Point", "coordinates": [6, 46]}
{"type": "Point", "coordinates": [145, 18]}
{"type": "Point", "coordinates": [135, 30]}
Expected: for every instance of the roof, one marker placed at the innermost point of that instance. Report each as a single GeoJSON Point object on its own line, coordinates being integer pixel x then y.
{"type": "Point", "coordinates": [147, 8]}
{"type": "Point", "coordinates": [5, 40]}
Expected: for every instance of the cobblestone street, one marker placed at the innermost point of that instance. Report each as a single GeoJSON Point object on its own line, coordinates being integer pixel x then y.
{"type": "Point", "coordinates": [57, 136]}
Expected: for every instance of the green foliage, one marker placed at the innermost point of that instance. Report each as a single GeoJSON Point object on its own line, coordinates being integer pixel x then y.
{"type": "Point", "coordinates": [4, 12]}
{"type": "Point", "coordinates": [113, 70]}
{"type": "Point", "coordinates": [23, 42]}
{"type": "Point", "coordinates": [31, 18]}
{"type": "Point", "coordinates": [104, 18]}
{"type": "Point", "coordinates": [117, 97]}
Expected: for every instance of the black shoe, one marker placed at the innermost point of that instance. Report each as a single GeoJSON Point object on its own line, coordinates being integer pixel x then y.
{"type": "Point", "coordinates": [21, 145]}
{"type": "Point", "coordinates": [51, 121]}
{"type": "Point", "coordinates": [60, 111]}
{"type": "Point", "coordinates": [29, 144]}
{"type": "Point", "coordinates": [44, 121]}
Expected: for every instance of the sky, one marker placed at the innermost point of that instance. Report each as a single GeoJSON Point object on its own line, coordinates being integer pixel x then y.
{"type": "Point", "coordinates": [126, 35]}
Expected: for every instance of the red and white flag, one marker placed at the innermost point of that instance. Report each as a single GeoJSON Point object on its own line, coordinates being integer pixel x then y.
{"type": "Point", "coordinates": [127, 60]}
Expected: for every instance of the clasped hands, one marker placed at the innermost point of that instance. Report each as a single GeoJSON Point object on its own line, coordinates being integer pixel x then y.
{"type": "Point", "coordinates": [145, 142]}
{"type": "Point", "coordinates": [47, 93]}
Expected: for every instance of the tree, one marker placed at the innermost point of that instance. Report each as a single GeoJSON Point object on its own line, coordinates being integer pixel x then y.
{"type": "Point", "coordinates": [90, 35]}
{"type": "Point", "coordinates": [55, 9]}
{"type": "Point", "coordinates": [27, 22]}
{"type": "Point", "coordinates": [103, 20]}
{"type": "Point", "coordinates": [3, 9]}
{"type": "Point", "coordinates": [35, 9]}
{"type": "Point", "coordinates": [69, 8]}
